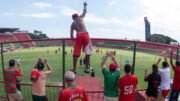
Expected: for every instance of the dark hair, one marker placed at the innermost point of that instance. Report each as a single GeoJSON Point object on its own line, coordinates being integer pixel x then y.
{"type": "Point", "coordinates": [127, 68]}
{"type": "Point", "coordinates": [11, 62]}
{"type": "Point", "coordinates": [40, 66]}
{"type": "Point", "coordinates": [178, 63]}
{"type": "Point", "coordinates": [74, 17]}
{"type": "Point", "coordinates": [154, 68]}
{"type": "Point", "coordinates": [164, 64]}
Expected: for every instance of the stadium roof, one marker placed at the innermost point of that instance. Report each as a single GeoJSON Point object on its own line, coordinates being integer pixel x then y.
{"type": "Point", "coordinates": [3, 30]}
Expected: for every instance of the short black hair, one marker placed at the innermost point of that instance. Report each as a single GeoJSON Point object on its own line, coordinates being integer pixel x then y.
{"type": "Point", "coordinates": [154, 68]}
{"type": "Point", "coordinates": [11, 63]}
{"type": "Point", "coordinates": [164, 64]}
{"type": "Point", "coordinates": [178, 63]}
{"type": "Point", "coordinates": [40, 66]}
{"type": "Point", "coordinates": [127, 68]}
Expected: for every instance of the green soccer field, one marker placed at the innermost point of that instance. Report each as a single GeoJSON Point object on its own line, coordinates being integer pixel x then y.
{"type": "Point", "coordinates": [30, 56]}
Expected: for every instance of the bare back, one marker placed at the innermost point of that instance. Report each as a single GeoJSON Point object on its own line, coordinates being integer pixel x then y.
{"type": "Point", "coordinates": [79, 25]}
{"type": "Point", "coordinates": [39, 86]}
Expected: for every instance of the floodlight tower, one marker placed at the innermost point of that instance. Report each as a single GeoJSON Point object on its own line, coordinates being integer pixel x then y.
{"type": "Point", "coordinates": [147, 29]}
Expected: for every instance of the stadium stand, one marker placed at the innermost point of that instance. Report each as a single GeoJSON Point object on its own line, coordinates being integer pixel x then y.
{"type": "Point", "coordinates": [16, 44]}
{"type": "Point", "coordinates": [7, 38]}
{"type": "Point", "coordinates": [48, 43]}
{"type": "Point", "coordinates": [117, 44]}
{"type": "Point", "coordinates": [153, 46]}
{"type": "Point", "coordinates": [23, 37]}
{"type": "Point", "coordinates": [7, 45]}
{"type": "Point", "coordinates": [12, 35]}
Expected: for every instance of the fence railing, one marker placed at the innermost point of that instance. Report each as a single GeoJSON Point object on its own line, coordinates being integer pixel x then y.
{"type": "Point", "coordinates": [53, 90]}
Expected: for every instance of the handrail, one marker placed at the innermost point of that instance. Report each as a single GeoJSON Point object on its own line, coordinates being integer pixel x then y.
{"type": "Point", "coordinates": [98, 39]}
{"type": "Point", "coordinates": [30, 84]}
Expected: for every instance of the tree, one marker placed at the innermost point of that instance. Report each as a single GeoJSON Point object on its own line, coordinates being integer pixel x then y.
{"type": "Point", "coordinates": [38, 35]}
{"type": "Point", "coordinates": [159, 38]}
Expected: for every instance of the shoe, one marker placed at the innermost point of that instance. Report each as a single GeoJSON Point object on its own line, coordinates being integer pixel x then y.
{"type": "Point", "coordinates": [73, 71]}
{"type": "Point", "coordinates": [86, 71]}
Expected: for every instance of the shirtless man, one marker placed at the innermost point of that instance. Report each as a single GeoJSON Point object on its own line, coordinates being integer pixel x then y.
{"type": "Point", "coordinates": [39, 81]}
{"type": "Point", "coordinates": [82, 39]}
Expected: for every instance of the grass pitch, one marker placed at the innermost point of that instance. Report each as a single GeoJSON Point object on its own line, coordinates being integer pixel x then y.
{"type": "Point", "coordinates": [30, 56]}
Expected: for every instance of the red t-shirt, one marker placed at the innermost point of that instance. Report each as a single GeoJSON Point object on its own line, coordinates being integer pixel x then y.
{"type": "Point", "coordinates": [176, 82]}
{"type": "Point", "coordinates": [10, 79]}
{"type": "Point", "coordinates": [73, 93]}
{"type": "Point", "coordinates": [127, 84]}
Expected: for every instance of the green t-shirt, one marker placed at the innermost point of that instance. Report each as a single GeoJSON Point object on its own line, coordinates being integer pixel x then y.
{"type": "Point", "coordinates": [111, 82]}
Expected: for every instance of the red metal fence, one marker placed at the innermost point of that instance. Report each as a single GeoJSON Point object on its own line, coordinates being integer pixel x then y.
{"type": "Point", "coordinates": [53, 93]}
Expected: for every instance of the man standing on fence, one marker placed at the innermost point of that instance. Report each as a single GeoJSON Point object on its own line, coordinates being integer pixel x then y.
{"type": "Point", "coordinates": [82, 39]}
{"type": "Point", "coordinates": [72, 92]}
{"type": "Point", "coordinates": [176, 82]}
{"type": "Point", "coordinates": [111, 78]}
{"type": "Point", "coordinates": [10, 81]}
{"type": "Point", "coordinates": [38, 77]}
{"type": "Point", "coordinates": [127, 84]}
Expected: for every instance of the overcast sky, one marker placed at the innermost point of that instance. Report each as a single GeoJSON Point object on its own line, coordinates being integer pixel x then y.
{"type": "Point", "coordinates": [105, 18]}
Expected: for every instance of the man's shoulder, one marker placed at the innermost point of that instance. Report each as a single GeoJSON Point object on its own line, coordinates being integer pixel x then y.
{"type": "Point", "coordinates": [104, 70]}
{"type": "Point", "coordinates": [80, 88]}
{"type": "Point", "coordinates": [134, 76]}
{"type": "Point", "coordinates": [65, 90]}
{"type": "Point", "coordinates": [69, 89]}
{"type": "Point", "coordinates": [176, 68]}
{"type": "Point", "coordinates": [72, 25]}
{"type": "Point", "coordinates": [11, 69]}
{"type": "Point", "coordinates": [80, 18]}
{"type": "Point", "coordinates": [128, 77]}
{"type": "Point", "coordinates": [44, 72]}
{"type": "Point", "coordinates": [123, 78]}
{"type": "Point", "coordinates": [156, 75]}
{"type": "Point", "coordinates": [118, 71]}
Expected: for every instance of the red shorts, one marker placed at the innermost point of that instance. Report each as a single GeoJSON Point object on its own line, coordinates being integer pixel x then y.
{"type": "Point", "coordinates": [82, 39]}
{"type": "Point", "coordinates": [165, 93]}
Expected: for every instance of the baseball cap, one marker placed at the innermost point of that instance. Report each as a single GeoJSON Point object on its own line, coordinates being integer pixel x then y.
{"type": "Point", "coordinates": [75, 15]}
{"type": "Point", "coordinates": [34, 76]}
{"type": "Point", "coordinates": [69, 75]}
{"type": "Point", "coordinates": [112, 67]}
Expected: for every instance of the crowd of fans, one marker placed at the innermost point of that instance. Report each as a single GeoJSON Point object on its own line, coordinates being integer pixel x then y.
{"type": "Point", "coordinates": [112, 82]}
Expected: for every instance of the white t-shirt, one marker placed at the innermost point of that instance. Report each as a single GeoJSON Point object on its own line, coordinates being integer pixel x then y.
{"type": "Point", "coordinates": [165, 78]}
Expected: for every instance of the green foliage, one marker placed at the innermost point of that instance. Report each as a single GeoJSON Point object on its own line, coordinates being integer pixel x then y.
{"type": "Point", "coordinates": [159, 38]}
{"type": "Point", "coordinates": [38, 36]}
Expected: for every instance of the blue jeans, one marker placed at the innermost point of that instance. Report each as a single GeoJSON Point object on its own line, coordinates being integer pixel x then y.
{"type": "Point", "coordinates": [174, 95]}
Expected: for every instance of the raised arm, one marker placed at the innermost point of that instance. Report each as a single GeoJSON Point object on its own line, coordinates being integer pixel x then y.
{"type": "Point", "coordinates": [104, 60]}
{"type": "Point", "coordinates": [171, 58]}
{"type": "Point", "coordinates": [159, 60]}
{"type": "Point", "coordinates": [84, 11]}
{"type": "Point", "coordinates": [114, 60]}
{"type": "Point", "coordinates": [145, 74]}
{"type": "Point", "coordinates": [20, 69]}
{"type": "Point", "coordinates": [165, 59]}
{"type": "Point", "coordinates": [72, 31]}
{"type": "Point", "coordinates": [48, 66]}
{"type": "Point", "coordinates": [39, 60]}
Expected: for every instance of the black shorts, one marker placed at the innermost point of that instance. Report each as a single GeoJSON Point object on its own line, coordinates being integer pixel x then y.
{"type": "Point", "coordinates": [39, 98]}
{"type": "Point", "coordinates": [152, 93]}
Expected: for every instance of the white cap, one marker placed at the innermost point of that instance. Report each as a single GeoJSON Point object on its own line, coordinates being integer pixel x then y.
{"type": "Point", "coordinates": [69, 75]}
